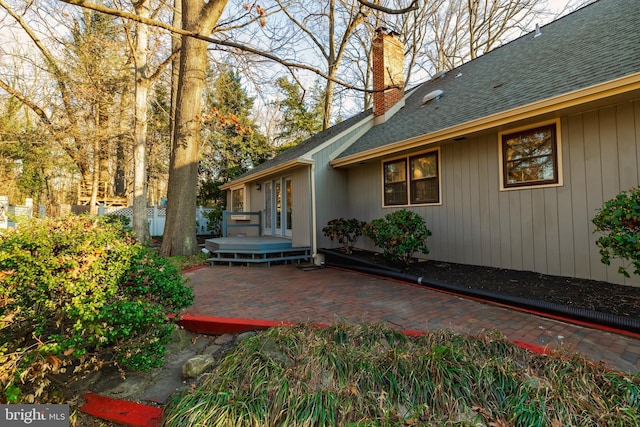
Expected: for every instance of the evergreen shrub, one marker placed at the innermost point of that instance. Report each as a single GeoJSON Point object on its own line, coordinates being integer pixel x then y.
{"type": "Point", "coordinates": [619, 221]}
{"type": "Point", "coordinates": [400, 234]}
{"type": "Point", "coordinates": [77, 294]}
{"type": "Point", "coordinates": [345, 231]}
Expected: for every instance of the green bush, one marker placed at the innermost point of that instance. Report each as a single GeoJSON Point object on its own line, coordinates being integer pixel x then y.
{"type": "Point", "coordinates": [346, 231]}
{"type": "Point", "coordinates": [214, 221]}
{"type": "Point", "coordinates": [399, 234]}
{"type": "Point", "coordinates": [619, 221]}
{"type": "Point", "coordinates": [76, 294]}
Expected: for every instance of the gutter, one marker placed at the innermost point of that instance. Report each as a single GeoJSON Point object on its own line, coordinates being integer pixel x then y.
{"type": "Point", "coordinates": [593, 93]}
{"type": "Point", "coordinates": [300, 161]}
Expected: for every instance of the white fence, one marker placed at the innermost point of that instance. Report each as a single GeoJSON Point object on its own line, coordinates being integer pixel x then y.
{"type": "Point", "coordinates": [157, 216]}
{"type": "Point", "coordinates": [7, 210]}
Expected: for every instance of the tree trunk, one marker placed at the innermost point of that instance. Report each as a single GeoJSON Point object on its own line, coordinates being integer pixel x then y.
{"type": "Point", "coordinates": [328, 102]}
{"type": "Point", "coordinates": [140, 222]}
{"type": "Point", "coordinates": [95, 178]}
{"type": "Point", "coordinates": [176, 41]}
{"type": "Point", "coordinates": [104, 178]}
{"type": "Point", "coordinates": [180, 230]}
{"type": "Point", "coordinates": [120, 185]}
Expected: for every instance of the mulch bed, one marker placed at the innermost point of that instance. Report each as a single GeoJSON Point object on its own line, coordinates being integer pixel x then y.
{"type": "Point", "coordinates": [592, 295]}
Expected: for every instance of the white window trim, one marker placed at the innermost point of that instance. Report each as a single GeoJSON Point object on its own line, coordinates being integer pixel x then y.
{"type": "Point", "coordinates": [558, 154]}
{"type": "Point", "coordinates": [406, 157]}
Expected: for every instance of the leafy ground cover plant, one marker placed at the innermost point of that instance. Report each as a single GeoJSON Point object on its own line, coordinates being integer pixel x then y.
{"type": "Point", "coordinates": [399, 234]}
{"type": "Point", "coordinates": [619, 221]}
{"type": "Point", "coordinates": [371, 375]}
{"type": "Point", "coordinates": [345, 231]}
{"type": "Point", "coordinates": [75, 294]}
{"type": "Point", "coordinates": [214, 221]}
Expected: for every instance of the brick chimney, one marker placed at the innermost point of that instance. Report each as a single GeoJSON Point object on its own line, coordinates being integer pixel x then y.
{"type": "Point", "coordinates": [388, 71]}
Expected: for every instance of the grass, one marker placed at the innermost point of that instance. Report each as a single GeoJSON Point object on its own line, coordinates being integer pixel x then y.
{"type": "Point", "coordinates": [370, 375]}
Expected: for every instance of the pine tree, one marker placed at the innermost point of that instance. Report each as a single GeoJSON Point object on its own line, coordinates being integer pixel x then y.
{"type": "Point", "coordinates": [232, 141]}
{"type": "Point", "coordinates": [298, 121]}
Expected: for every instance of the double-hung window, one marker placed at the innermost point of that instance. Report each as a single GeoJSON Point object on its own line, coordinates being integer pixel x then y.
{"type": "Point", "coordinates": [530, 157]}
{"type": "Point", "coordinates": [237, 200]}
{"type": "Point", "coordinates": [413, 180]}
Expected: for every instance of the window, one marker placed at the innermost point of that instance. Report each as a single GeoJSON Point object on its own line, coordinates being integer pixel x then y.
{"type": "Point", "coordinates": [395, 183]}
{"type": "Point", "coordinates": [413, 180]}
{"type": "Point", "coordinates": [424, 179]}
{"type": "Point", "coordinates": [237, 200]}
{"type": "Point", "coordinates": [530, 157]}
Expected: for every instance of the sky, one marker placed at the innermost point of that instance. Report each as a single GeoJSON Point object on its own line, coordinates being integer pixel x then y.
{"type": "Point", "coordinates": [8, 37]}
{"type": "Point", "coordinates": [558, 5]}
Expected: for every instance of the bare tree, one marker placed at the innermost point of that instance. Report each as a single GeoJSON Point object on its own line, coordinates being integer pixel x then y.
{"type": "Point", "coordinates": [447, 49]}
{"type": "Point", "coordinates": [490, 20]}
{"type": "Point", "coordinates": [179, 234]}
{"type": "Point", "coordinates": [462, 30]}
{"type": "Point", "coordinates": [199, 21]}
{"type": "Point", "coordinates": [143, 82]}
{"type": "Point", "coordinates": [88, 79]}
{"type": "Point", "coordinates": [328, 28]}
{"type": "Point", "coordinates": [201, 29]}
{"type": "Point", "coordinates": [140, 225]}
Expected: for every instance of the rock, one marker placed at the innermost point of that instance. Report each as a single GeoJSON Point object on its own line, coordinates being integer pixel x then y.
{"type": "Point", "coordinates": [118, 388]}
{"type": "Point", "coordinates": [197, 365]}
{"type": "Point", "coordinates": [180, 339]}
{"type": "Point", "coordinates": [243, 336]}
{"type": "Point", "coordinates": [212, 349]}
{"type": "Point", "coordinates": [269, 350]}
{"type": "Point", "coordinates": [224, 339]}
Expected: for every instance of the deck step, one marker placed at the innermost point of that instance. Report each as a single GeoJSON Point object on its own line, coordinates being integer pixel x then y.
{"type": "Point", "coordinates": [260, 256]}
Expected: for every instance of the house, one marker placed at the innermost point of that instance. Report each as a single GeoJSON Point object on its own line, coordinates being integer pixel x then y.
{"type": "Point", "coordinates": [507, 157]}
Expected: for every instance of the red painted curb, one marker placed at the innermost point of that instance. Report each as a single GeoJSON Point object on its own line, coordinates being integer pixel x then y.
{"type": "Point", "coordinates": [121, 411]}
{"type": "Point", "coordinates": [227, 325]}
{"type": "Point", "coordinates": [197, 267]}
{"type": "Point", "coordinates": [532, 347]}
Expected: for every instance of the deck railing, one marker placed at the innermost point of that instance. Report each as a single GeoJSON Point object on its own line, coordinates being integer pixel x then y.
{"type": "Point", "coordinates": [241, 216]}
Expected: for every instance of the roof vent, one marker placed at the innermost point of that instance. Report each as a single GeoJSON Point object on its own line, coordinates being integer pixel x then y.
{"type": "Point", "coordinates": [538, 33]}
{"type": "Point", "coordinates": [432, 95]}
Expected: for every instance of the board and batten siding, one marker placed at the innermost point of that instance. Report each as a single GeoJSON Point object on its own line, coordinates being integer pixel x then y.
{"type": "Point", "coordinates": [332, 199]}
{"type": "Point", "coordinates": [546, 230]}
{"type": "Point", "coordinates": [300, 186]}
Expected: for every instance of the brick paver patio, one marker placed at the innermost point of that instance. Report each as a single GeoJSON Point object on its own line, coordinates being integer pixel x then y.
{"type": "Point", "coordinates": [289, 293]}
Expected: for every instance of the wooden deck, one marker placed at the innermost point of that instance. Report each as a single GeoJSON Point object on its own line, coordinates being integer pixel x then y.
{"type": "Point", "coordinates": [252, 250]}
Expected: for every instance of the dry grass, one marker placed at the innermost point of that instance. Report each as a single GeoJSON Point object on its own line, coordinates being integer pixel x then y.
{"type": "Point", "coordinates": [370, 375]}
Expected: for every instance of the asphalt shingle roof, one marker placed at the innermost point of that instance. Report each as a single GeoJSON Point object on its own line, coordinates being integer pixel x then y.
{"type": "Point", "coordinates": [307, 145]}
{"type": "Point", "coordinates": [595, 44]}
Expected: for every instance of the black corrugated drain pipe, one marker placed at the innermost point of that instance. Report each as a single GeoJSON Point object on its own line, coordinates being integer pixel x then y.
{"type": "Point", "coordinates": [605, 319]}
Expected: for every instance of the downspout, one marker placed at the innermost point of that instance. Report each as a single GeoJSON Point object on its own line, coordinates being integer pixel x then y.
{"type": "Point", "coordinates": [314, 239]}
